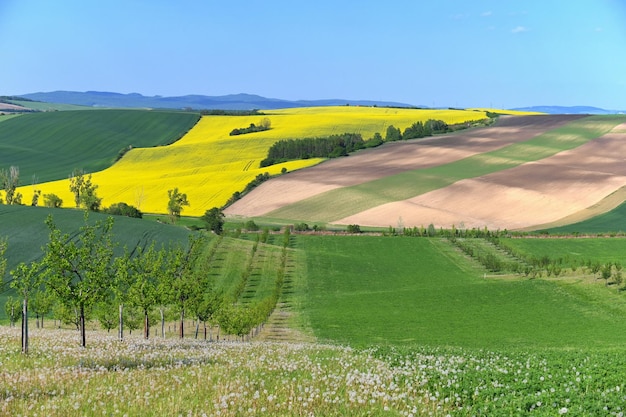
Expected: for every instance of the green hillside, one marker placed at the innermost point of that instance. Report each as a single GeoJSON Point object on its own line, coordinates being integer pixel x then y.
{"type": "Point", "coordinates": [26, 232]}
{"type": "Point", "coordinates": [51, 145]}
{"type": "Point", "coordinates": [612, 221]}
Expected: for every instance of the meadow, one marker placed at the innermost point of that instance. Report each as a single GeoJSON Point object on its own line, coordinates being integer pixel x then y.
{"type": "Point", "coordinates": [209, 165]}
{"type": "Point", "coordinates": [436, 297]}
{"type": "Point", "coordinates": [414, 330]}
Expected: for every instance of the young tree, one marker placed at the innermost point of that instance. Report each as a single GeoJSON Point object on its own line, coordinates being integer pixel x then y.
{"type": "Point", "coordinates": [181, 278]}
{"type": "Point", "coordinates": [52, 200]}
{"type": "Point", "coordinates": [13, 310]}
{"type": "Point", "coordinates": [9, 181]}
{"type": "Point", "coordinates": [106, 313]}
{"type": "Point", "coordinates": [41, 304]}
{"type": "Point", "coordinates": [145, 270]}
{"type": "Point", "coordinates": [80, 271]}
{"type": "Point", "coordinates": [3, 261]}
{"type": "Point", "coordinates": [35, 201]}
{"type": "Point", "coordinates": [26, 280]}
{"type": "Point", "coordinates": [175, 204]}
{"type": "Point", "coordinates": [214, 220]}
{"type": "Point", "coordinates": [84, 191]}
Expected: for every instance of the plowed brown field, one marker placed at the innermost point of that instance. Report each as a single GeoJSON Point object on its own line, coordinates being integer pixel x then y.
{"type": "Point", "coordinates": [531, 194]}
{"type": "Point", "coordinates": [389, 159]}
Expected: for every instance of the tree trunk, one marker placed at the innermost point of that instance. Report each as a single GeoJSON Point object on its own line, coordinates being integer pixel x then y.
{"type": "Point", "coordinates": [83, 338]}
{"type": "Point", "coordinates": [146, 325]}
{"type": "Point", "coordinates": [25, 326]}
{"type": "Point", "coordinates": [120, 331]}
{"type": "Point", "coordinates": [162, 322]}
{"type": "Point", "coordinates": [197, 328]}
{"type": "Point", "coordinates": [204, 323]}
{"type": "Point", "coordinates": [182, 323]}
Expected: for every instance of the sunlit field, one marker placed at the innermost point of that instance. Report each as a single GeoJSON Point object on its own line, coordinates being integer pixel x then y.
{"type": "Point", "coordinates": [209, 165]}
{"type": "Point", "coordinates": [190, 377]}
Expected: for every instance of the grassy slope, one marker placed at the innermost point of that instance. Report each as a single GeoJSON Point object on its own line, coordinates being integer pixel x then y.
{"type": "Point", "coordinates": [346, 201]}
{"type": "Point", "coordinates": [572, 252]}
{"type": "Point", "coordinates": [373, 290]}
{"type": "Point", "coordinates": [27, 233]}
{"type": "Point", "coordinates": [612, 221]}
{"type": "Point", "coordinates": [50, 145]}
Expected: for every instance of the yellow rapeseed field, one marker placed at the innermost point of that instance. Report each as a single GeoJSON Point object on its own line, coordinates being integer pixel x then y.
{"type": "Point", "coordinates": [209, 165]}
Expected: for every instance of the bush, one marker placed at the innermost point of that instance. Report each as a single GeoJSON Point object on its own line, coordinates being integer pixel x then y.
{"type": "Point", "coordinates": [123, 209]}
{"type": "Point", "coordinates": [353, 228]}
{"type": "Point", "coordinates": [301, 227]}
{"type": "Point", "coordinates": [251, 226]}
{"type": "Point", "coordinates": [52, 200]}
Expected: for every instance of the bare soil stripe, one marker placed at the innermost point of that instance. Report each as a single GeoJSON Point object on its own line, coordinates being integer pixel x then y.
{"type": "Point", "coordinates": [391, 159]}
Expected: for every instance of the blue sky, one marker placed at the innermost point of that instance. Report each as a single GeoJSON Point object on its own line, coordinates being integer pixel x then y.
{"type": "Point", "coordinates": [505, 53]}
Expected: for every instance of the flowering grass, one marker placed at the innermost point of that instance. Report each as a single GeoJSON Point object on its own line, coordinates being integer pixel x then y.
{"type": "Point", "coordinates": [209, 165]}
{"type": "Point", "coordinates": [197, 378]}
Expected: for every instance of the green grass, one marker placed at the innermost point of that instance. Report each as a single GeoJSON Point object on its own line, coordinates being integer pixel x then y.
{"type": "Point", "coordinates": [51, 145]}
{"type": "Point", "coordinates": [571, 251]}
{"type": "Point", "coordinates": [612, 221]}
{"type": "Point", "coordinates": [376, 290]}
{"type": "Point", "coordinates": [343, 202]}
{"type": "Point", "coordinates": [27, 234]}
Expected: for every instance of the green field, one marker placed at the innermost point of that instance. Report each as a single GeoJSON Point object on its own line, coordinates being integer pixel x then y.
{"type": "Point", "coordinates": [613, 221]}
{"type": "Point", "coordinates": [572, 251]}
{"type": "Point", "coordinates": [51, 145]}
{"type": "Point", "coordinates": [343, 202]}
{"type": "Point", "coordinates": [379, 290]}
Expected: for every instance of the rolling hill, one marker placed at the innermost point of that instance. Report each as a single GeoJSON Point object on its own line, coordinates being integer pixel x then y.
{"type": "Point", "coordinates": [227, 102]}
{"type": "Point", "coordinates": [209, 165]}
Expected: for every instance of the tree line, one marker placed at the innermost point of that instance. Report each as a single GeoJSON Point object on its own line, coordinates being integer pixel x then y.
{"type": "Point", "coordinates": [334, 146]}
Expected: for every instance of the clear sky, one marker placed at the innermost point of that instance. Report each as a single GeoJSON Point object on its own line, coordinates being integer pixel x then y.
{"type": "Point", "coordinates": [496, 53]}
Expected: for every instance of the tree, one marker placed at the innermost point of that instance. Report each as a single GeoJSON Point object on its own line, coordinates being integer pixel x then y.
{"type": "Point", "coordinates": [183, 286]}
{"type": "Point", "coordinates": [52, 200]}
{"type": "Point", "coordinates": [84, 191]}
{"type": "Point", "coordinates": [145, 269]}
{"type": "Point", "coordinates": [392, 134]}
{"type": "Point", "coordinates": [105, 312]}
{"type": "Point", "coordinates": [80, 271]}
{"type": "Point", "coordinates": [9, 180]}
{"type": "Point", "coordinates": [605, 271]}
{"type": "Point", "coordinates": [123, 209]}
{"type": "Point", "coordinates": [177, 201]}
{"type": "Point", "coordinates": [12, 310]}
{"type": "Point", "coordinates": [26, 280]}
{"type": "Point", "coordinates": [214, 220]}
{"type": "Point", "coordinates": [41, 304]}
{"type": "Point", "coordinates": [35, 200]}
{"type": "Point", "coordinates": [3, 262]}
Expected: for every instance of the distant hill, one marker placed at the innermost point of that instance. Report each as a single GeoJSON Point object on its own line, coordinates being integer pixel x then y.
{"type": "Point", "coordinates": [199, 102]}
{"type": "Point", "coordinates": [569, 110]}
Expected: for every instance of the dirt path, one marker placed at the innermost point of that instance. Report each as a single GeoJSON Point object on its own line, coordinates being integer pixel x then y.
{"type": "Point", "coordinates": [390, 159]}
{"type": "Point", "coordinates": [277, 328]}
